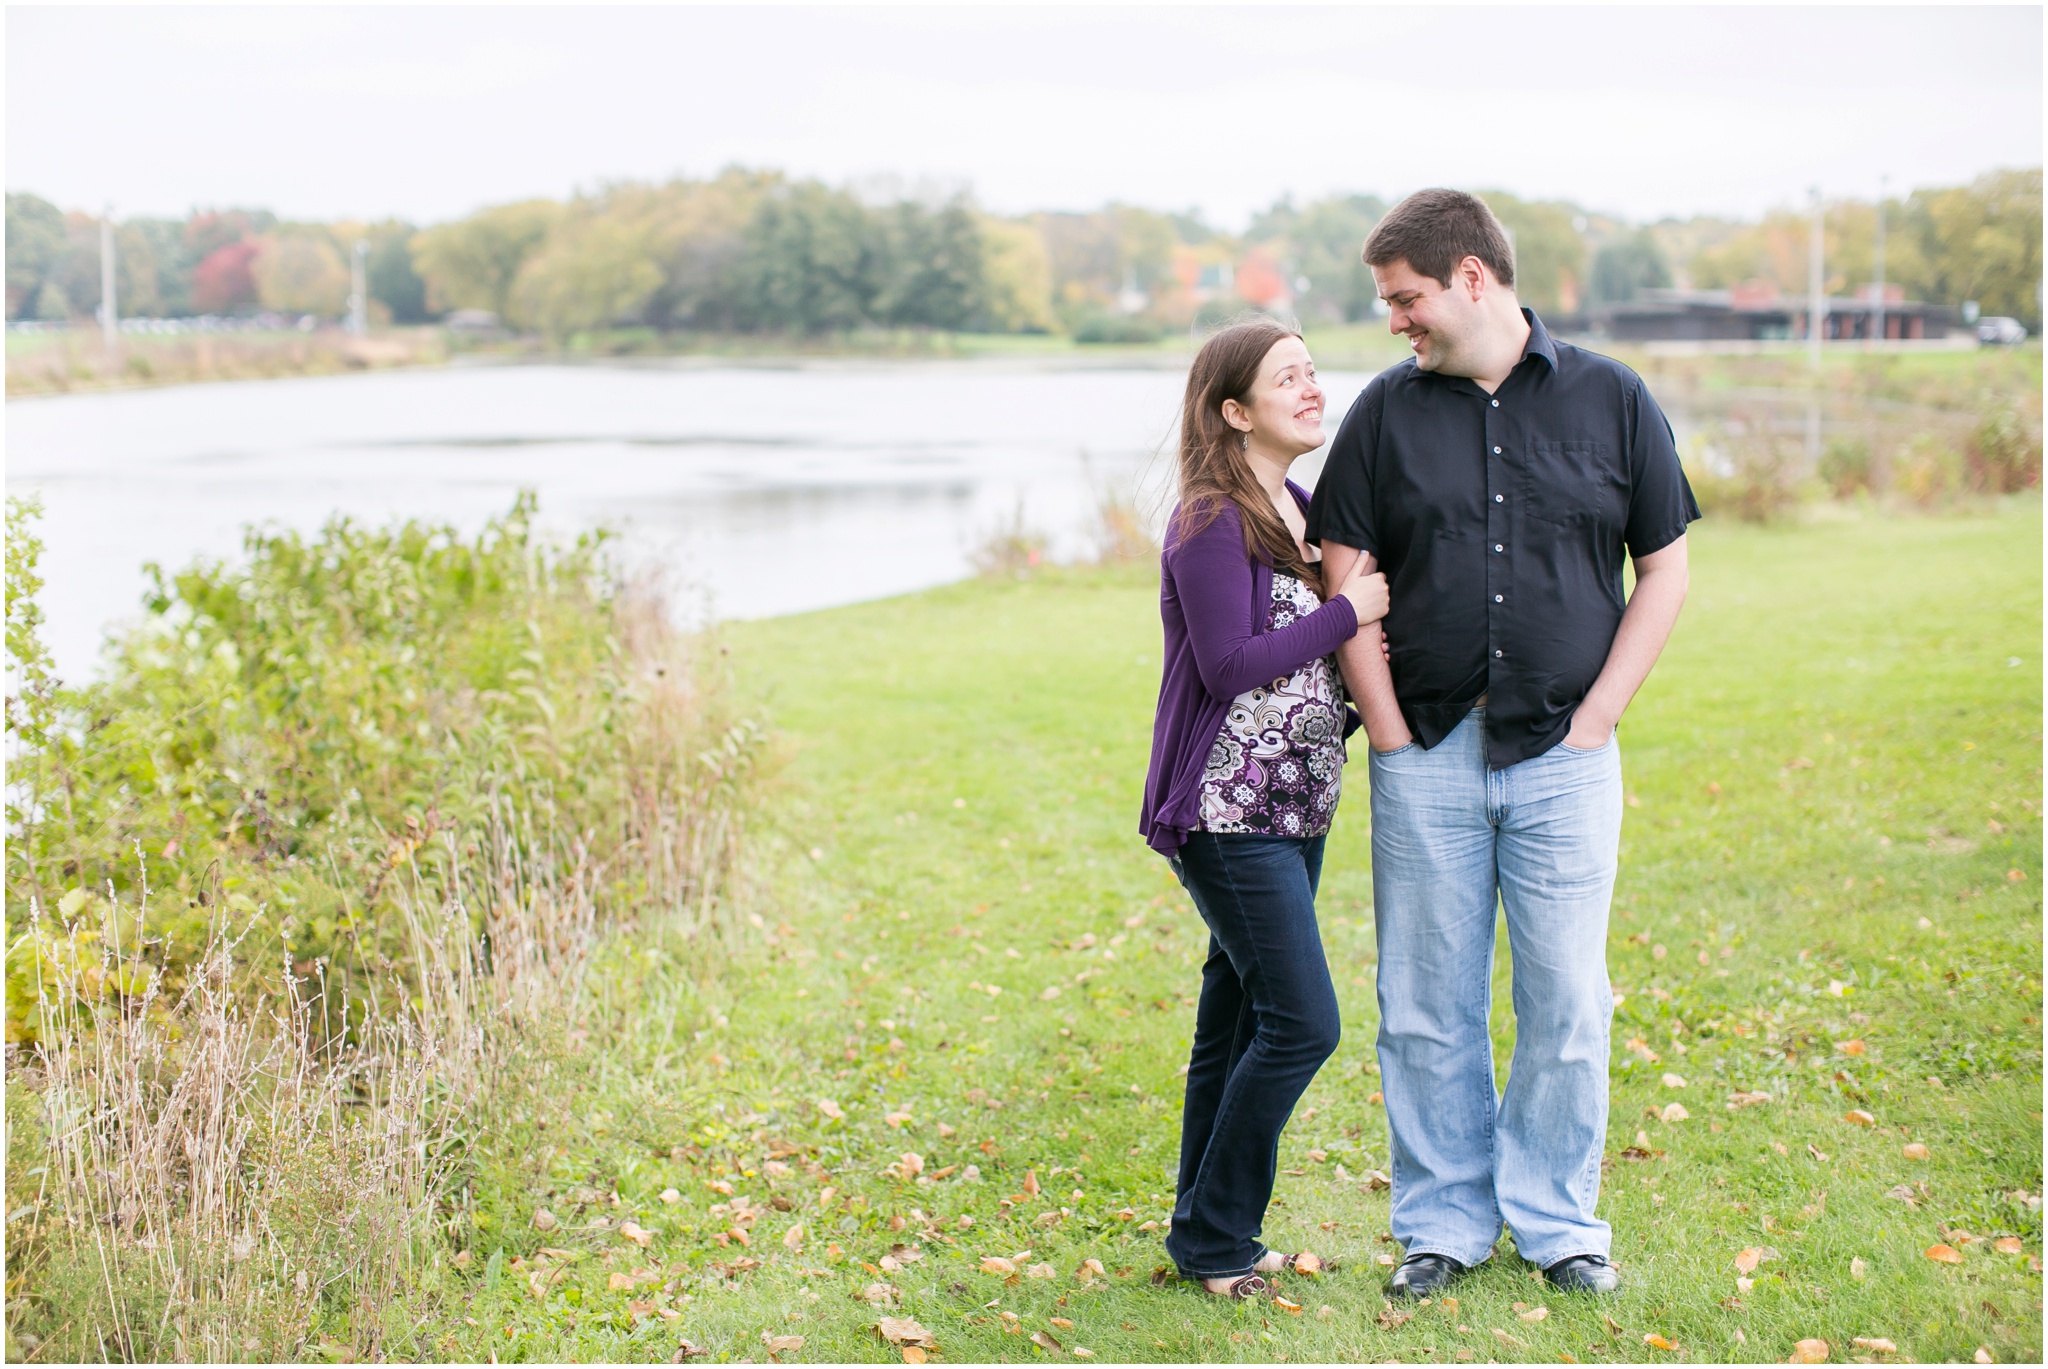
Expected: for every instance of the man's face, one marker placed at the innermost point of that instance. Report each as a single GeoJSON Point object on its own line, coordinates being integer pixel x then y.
{"type": "Point", "coordinates": [1442, 323]}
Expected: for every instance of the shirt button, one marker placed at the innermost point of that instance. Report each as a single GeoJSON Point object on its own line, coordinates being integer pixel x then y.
{"type": "Point", "coordinates": [1496, 655]}
{"type": "Point", "coordinates": [1498, 547]}
{"type": "Point", "coordinates": [1496, 404]}
{"type": "Point", "coordinates": [1496, 451]}
{"type": "Point", "coordinates": [1499, 599]}
{"type": "Point", "coordinates": [1498, 500]}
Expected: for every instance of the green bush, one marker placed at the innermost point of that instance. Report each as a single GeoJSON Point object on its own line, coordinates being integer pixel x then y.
{"type": "Point", "coordinates": [344, 726]}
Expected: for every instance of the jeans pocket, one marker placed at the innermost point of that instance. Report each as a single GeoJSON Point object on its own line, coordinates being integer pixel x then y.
{"type": "Point", "coordinates": [1400, 750]}
{"type": "Point", "coordinates": [1571, 750]}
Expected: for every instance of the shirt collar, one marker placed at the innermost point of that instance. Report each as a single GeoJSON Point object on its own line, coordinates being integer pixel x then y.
{"type": "Point", "coordinates": [1539, 344]}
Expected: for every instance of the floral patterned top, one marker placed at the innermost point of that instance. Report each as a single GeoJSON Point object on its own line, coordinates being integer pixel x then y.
{"type": "Point", "coordinates": [1277, 764]}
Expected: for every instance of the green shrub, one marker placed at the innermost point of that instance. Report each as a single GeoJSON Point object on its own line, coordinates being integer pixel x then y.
{"type": "Point", "coordinates": [346, 723]}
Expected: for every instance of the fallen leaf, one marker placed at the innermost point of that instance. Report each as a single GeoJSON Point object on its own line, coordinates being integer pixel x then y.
{"type": "Point", "coordinates": [1534, 1314]}
{"type": "Point", "coordinates": [1124, 1214]}
{"type": "Point", "coordinates": [794, 1238]}
{"type": "Point", "coordinates": [996, 1264]}
{"type": "Point", "coordinates": [905, 1331]}
{"type": "Point", "coordinates": [1325, 1312]}
{"type": "Point", "coordinates": [637, 1234]}
{"type": "Point", "coordinates": [1387, 1260]}
{"type": "Point", "coordinates": [1657, 1342]}
{"type": "Point", "coordinates": [897, 1119]}
{"type": "Point", "coordinates": [782, 1344]}
{"type": "Point", "coordinates": [1091, 1269]}
{"type": "Point", "coordinates": [1913, 1150]}
{"type": "Point", "coordinates": [687, 1350]}
{"type": "Point", "coordinates": [1389, 1319]}
{"type": "Point", "coordinates": [1877, 1345]}
{"type": "Point", "coordinates": [1083, 1352]}
{"type": "Point", "coordinates": [908, 1165]}
{"type": "Point", "coordinates": [544, 1220]}
{"type": "Point", "coordinates": [1857, 1268]}
{"type": "Point", "coordinates": [1293, 1308]}
{"type": "Point", "coordinates": [1743, 1285]}
{"type": "Point", "coordinates": [1746, 1099]}
{"type": "Point", "coordinates": [2008, 1245]}
{"type": "Point", "coordinates": [1308, 1262]}
{"type": "Point", "coordinates": [1816, 1152]}
{"type": "Point", "coordinates": [670, 1195]}
{"type": "Point", "coordinates": [1031, 1182]}
{"type": "Point", "coordinates": [1674, 1112]}
{"type": "Point", "coordinates": [1376, 1097]}
{"type": "Point", "coordinates": [1904, 1193]}
{"type": "Point", "coordinates": [619, 1282]}
{"type": "Point", "coordinates": [880, 1294]}
{"type": "Point", "coordinates": [1748, 1260]}
{"type": "Point", "coordinates": [914, 1354]}
{"type": "Point", "coordinates": [1674, 1081]}
{"type": "Point", "coordinates": [1044, 1340]}
{"type": "Point", "coordinates": [1375, 1181]}
{"type": "Point", "coordinates": [831, 1109]}
{"type": "Point", "coordinates": [1983, 1356]}
{"type": "Point", "coordinates": [1062, 1323]}
{"type": "Point", "coordinates": [1943, 1254]}
{"type": "Point", "coordinates": [1812, 1350]}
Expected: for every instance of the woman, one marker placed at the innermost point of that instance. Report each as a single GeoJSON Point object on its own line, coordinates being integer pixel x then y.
{"type": "Point", "coordinates": [1247, 755]}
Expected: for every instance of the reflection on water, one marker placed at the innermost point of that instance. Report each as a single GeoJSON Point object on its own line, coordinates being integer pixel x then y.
{"type": "Point", "coordinates": [761, 491]}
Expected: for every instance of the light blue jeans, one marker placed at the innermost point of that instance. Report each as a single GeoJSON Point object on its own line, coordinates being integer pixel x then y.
{"type": "Point", "coordinates": [1450, 836]}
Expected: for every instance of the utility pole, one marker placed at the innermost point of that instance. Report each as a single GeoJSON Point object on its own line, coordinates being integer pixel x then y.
{"type": "Point", "coordinates": [109, 312]}
{"type": "Point", "coordinates": [1877, 287]}
{"type": "Point", "coordinates": [359, 291]}
{"type": "Point", "coordinates": [1816, 285]}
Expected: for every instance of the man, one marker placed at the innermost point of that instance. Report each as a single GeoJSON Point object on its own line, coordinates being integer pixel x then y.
{"type": "Point", "coordinates": [1497, 478]}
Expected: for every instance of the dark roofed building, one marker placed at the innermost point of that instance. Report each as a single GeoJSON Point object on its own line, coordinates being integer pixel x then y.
{"type": "Point", "coordinates": [1756, 312]}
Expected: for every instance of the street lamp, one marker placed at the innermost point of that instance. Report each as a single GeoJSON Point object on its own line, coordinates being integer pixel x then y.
{"type": "Point", "coordinates": [359, 289]}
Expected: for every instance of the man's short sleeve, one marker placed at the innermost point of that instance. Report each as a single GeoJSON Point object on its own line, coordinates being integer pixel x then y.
{"type": "Point", "coordinates": [1340, 511]}
{"type": "Point", "coordinates": [1660, 503]}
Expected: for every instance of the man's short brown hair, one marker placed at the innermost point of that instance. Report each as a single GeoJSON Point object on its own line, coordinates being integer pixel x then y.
{"type": "Point", "coordinates": [1434, 230]}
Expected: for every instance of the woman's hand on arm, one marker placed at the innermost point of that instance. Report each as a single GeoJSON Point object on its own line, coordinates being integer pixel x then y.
{"type": "Point", "coordinates": [1362, 584]}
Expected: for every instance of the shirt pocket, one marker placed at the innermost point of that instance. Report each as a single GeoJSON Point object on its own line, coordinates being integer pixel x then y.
{"type": "Point", "coordinates": [1575, 482]}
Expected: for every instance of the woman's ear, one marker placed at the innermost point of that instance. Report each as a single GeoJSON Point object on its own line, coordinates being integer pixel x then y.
{"type": "Point", "coordinates": [1234, 414]}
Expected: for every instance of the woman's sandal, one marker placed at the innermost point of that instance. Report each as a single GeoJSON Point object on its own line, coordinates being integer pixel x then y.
{"type": "Point", "coordinates": [1288, 1265]}
{"type": "Point", "coordinates": [1247, 1286]}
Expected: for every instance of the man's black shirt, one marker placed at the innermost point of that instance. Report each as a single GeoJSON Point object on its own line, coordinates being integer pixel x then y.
{"type": "Point", "coordinates": [1502, 522]}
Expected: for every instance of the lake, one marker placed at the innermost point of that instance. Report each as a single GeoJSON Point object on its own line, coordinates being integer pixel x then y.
{"type": "Point", "coordinates": [758, 490]}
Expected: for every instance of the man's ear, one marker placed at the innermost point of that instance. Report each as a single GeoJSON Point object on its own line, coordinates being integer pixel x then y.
{"type": "Point", "coordinates": [1474, 278]}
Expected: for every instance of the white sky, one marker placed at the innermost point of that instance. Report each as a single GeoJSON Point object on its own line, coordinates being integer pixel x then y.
{"type": "Point", "coordinates": [429, 113]}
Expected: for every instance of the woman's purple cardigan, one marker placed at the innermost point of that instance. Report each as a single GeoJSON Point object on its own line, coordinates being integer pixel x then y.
{"type": "Point", "coordinates": [1215, 600]}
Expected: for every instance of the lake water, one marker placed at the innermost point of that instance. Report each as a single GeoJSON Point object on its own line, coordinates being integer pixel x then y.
{"type": "Point", "coordinates": [761, 490]}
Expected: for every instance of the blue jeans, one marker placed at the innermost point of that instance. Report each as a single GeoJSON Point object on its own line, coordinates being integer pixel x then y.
{"type": "Point", "coordinates": [1450, 836]}
{"type": "Point", "coordinates": [1266, 1023]}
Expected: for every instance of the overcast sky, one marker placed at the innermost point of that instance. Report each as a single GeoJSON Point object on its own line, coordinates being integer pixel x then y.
{"type": "Point", "coordinates": [429, 113]}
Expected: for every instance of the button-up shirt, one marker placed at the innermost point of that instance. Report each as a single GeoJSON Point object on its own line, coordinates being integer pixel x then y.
{"type": "Point", "coordinates": [1502, 522]}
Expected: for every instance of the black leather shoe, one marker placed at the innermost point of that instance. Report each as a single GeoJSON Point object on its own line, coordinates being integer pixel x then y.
{"type": "Point", "coordinates": [1423, 1276]}
{"type": "Point", "coordinates": [1584, 1274]}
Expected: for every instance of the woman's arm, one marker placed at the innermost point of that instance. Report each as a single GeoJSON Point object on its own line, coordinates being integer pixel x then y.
{"type": "Point", "coordinates": [1213, 578]}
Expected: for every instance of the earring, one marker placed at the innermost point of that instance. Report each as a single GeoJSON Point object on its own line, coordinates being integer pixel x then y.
{"type": "Point", "coordinates": [1244, 442]}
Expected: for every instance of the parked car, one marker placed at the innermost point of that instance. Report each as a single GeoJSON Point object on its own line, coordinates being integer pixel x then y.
{"type": "Point", "coordinates": [2000, 332]}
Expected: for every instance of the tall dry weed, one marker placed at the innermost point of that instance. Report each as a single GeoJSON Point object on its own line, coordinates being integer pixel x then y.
{"type": "Point", "coordinates": [247, 1152]}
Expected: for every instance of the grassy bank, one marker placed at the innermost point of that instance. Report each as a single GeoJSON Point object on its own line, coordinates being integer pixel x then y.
{"type": "Point", "coordinates": [74, 360]}
{"type": "Point", "coordinates": [944, 1079]}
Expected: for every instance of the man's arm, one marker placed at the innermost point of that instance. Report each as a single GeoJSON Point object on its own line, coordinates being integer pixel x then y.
{"type": "Point", "coordinates": [1645, 626]}
{"type": "Point", "coordinates": [1364, 662]}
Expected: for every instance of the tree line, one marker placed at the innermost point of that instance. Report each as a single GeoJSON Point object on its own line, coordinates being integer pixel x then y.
{"type": "Point", "coordinates": [752, 251]}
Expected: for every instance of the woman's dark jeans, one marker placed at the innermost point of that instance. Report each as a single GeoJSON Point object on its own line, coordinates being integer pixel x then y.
{"type": "Point", "coordinates": [1267, 1021]}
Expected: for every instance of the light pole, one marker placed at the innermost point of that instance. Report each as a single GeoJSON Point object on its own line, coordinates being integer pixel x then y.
{"type": "Point", "coordinates": [109, 309]}
{"type": "Point", "coordinates": [1877, 287]}
{"type": "Point", "coordinates": [359, 292]}
{"type": "Point", "coordinates": [1816, 285]}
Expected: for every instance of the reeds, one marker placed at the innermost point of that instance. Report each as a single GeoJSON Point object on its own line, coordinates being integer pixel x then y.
{"type": "Point", "coordinates": [238, 1106]}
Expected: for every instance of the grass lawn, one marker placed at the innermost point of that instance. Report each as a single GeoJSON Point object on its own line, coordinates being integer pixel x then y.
{"type": "Point", "coordinates": [958, 1033]}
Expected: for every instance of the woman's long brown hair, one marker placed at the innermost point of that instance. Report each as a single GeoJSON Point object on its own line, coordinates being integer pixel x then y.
{"type": "Point", "coordinates": [1213, 465]}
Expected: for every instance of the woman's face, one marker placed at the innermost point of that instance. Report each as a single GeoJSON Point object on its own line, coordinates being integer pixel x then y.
{"type": "Point", "coordinates": [1285, 407]}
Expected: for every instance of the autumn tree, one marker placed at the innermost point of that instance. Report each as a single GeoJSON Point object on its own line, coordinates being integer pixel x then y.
{"type": "Point", "coordinates": [473, 262]}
